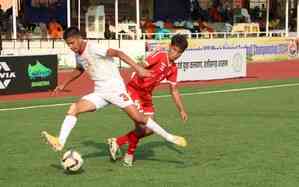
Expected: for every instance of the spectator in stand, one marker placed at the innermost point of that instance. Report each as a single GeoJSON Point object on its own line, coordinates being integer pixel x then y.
{"type": "Point", "coordinates": [44, 30]}
{"type": "Point", "coordinates": [204, 14]}
{"type": "Point", "coordinates": [203, 26]}
{"type": "Point", "coordinates": [226, 13]}
{"type": "Point", "coordinates": [255, 13]}
{"type": "Point", "coordinates": [168, 24]}
{"type": "Point", "coordinates": [21, 30]}
{"type": "Point", "coordinates": [238, 17]}
{"type": "Point", "coordinates": [55, 29]}
{"type": "Point", "coordinates": [149, 29]}
{"type": "Point", "coordinates": [263, 11]}
{"type": "Point", "coordinates": [194, 9]}
{"type": "Point", "coordinates": [215, 13]}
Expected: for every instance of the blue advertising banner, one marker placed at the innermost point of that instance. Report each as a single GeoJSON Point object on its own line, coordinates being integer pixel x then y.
{"type": "Point", "coordinates": [173, 10]}
{"type": "Point", "coordinates": [44, 10]}
{"type": "Point", "coordinates": [259, 49]}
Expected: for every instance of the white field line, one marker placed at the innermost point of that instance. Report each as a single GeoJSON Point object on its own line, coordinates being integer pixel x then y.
{"type": "Point", "coordinates": [163, 96]}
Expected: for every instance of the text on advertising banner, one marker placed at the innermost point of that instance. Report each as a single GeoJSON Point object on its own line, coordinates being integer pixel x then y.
{"type": "Point", "coordinates": [200, 64]}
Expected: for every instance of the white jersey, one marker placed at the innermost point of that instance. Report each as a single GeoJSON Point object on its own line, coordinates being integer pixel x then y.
{"type": "Point", "coordinates": [98, 66]}
{"type": "Point", "coordinates": [109, 86]}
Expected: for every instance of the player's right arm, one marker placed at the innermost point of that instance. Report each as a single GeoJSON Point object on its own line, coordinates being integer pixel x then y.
{"type": "Point", "coordinates": [172, 80]}
{"type": "Point", "coordinates": [76, 73]}
{"type": "Point", "coordinates": [178, 101]}
{"type": "Point", "coordinates": [124, 57]}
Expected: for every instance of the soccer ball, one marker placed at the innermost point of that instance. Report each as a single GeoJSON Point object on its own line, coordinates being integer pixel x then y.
{"type": "Point", "coordinates": [71, 161]}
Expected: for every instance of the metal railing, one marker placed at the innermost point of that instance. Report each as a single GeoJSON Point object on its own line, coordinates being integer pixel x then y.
{"type": "Point", "coordinates": [53, 46]}
{"type": "Point", "coordinates": [201, 35]}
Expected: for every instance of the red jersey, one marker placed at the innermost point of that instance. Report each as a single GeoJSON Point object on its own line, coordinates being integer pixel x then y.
{"type": "Point", "coordinates": [161, 68]}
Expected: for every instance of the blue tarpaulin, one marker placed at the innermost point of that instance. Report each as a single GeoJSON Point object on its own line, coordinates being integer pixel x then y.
{"type": "Point", "coordinates": [45, 10]}
{"type": "Point", "coordinates": [172, 10]}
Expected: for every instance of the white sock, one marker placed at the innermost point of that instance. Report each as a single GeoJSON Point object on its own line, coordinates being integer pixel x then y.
{"type": "Point", "coordinates": [66, 128]}
{"type": "Point", "coordinates": [151, 124]}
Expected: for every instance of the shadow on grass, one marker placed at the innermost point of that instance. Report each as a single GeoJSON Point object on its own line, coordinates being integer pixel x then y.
{"type": "Point", "coordinates": [144, 152]}
{"type": "Point", "coordinates": [102, 149]}
{"type": "Point", "coordinates": [59, 167]}
{"type": "Point", "coordinates": [147, 152]}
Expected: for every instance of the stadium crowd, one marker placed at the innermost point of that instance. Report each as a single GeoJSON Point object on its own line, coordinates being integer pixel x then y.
{"type": "Point", "coordinates": [220, 16]}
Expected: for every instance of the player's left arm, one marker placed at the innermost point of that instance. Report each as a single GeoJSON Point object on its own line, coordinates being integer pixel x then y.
{"type": "Point", "coordinates": [124, 57]}
{"type": "Point", "coordinates": [178, 101]}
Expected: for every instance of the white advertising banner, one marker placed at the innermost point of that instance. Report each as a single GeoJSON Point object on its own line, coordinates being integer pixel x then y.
{"type": "Point", "coordinates": [202, 64]}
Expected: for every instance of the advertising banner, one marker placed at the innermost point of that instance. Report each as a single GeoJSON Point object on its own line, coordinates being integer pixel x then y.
{"type": "Point", "coordinates": [257, 49]}
{"type": "Point", "coordinates": [23, 74]}
{"type": "Point", "coordinates": [199, 64]}
{"type": "Point", "coordinates": [260, 49]}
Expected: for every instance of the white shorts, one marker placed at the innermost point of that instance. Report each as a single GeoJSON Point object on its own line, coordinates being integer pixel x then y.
{"type": "Point", "coordinates": [111, 92]}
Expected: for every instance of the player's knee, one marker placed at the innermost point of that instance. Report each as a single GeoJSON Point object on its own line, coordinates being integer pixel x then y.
{"type": "Point", "coordinates": [140, 130]}
{"type": "Point", "coordinates": [140, 119]}
{"type": "Point", "coordinates": [73, 110]}
{"type": "Point", "coordinates": [148, 131]}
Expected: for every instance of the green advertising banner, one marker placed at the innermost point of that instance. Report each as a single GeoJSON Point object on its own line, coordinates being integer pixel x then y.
{"type": "Point", "coordinates": [24, 74]}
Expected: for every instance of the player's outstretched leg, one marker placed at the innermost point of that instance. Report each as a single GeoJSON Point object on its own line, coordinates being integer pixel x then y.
{"type": "Point", "coordinates": [155, 127]}
{"type": "Point", "coordinates": [52, 141]}
{"type": "Point", "coordinates": [69, 122]}
{"type": "Point", "coordinates": [179, 141]}
{"type": "Point", "coordinates": [57, 143]}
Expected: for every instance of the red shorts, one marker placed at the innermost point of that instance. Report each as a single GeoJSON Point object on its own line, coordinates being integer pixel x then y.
{"type": "Point", "coordinates": [142, 100]}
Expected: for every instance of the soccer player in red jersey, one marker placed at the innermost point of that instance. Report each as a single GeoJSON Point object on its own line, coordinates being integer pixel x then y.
{"type": "Point", "coordinates": [108, 89]}
{"type": "Point", "coordinates": [161, 64]}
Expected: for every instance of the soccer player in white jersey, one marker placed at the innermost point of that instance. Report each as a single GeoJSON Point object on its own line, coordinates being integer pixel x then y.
{"type": "Point", "coordinates": [108, 89]}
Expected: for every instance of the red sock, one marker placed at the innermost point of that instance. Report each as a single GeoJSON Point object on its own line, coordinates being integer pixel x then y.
{"type": "Point", "coordinates": [124, 139]}
{"type": "Point", "coordinates": [121, 140]}
{"type": "Point", "coordinates": [134, 140]}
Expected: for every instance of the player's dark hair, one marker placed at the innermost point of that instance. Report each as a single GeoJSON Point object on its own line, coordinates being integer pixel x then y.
{"type": "Point", "coordinates": [179, 41]}
{"type": "Point", "coordinates": [71, 32]}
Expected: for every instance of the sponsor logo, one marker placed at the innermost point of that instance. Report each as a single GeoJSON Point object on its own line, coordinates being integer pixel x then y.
{"type": "Point", "coordinates": [38, 71]}
{"type": "Point", "coordinates": [40, 84]}
{"type": "Point", "coordinates": [6, 75]}
{"type": "Point", "coordinates": [237, 62]}
{"type": "Point", "coordinates": [124, 97]}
